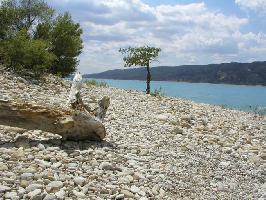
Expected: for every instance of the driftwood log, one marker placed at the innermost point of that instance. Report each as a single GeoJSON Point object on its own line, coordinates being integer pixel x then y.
{"type": "Point", "coordinates": [79, 123]}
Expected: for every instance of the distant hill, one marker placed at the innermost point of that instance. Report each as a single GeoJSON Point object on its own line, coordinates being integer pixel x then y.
{"type": "Point", "coordinates": [229, 73]}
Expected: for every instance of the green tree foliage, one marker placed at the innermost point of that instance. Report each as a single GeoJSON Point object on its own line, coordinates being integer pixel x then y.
{"type": "Point", "coordinates": [56, 40]}
{"type": "Point", "coordinates": [66, 44]}
{"type": "Point", "coordinates": [23, 54]}
{"type": "Point", "coordinates": [8, 14]}
{"type": "Point", "coordinates": [23, 14]}
{"type": "Point", "coordinates": [43, 31]}
{"type": "Point", "coordinates": [140, 56]}
{"type": "Point", "coordinates": [33, 12]}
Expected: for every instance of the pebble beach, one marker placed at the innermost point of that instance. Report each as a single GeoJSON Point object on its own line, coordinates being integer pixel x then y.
{"type": "Point", "coordinates": [155, 148]}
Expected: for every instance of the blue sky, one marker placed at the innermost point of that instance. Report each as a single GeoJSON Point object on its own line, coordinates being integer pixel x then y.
{"type": "Point", "coordinates": [187, 31]}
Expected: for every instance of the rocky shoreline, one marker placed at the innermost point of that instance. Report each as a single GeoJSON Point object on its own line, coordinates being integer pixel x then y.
{"type": "Point", "coordinates": [156, 148]}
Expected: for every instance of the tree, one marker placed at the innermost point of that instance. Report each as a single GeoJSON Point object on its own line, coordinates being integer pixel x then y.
{"type": "Point", "coordinates": [58, 38]}
{"type": "Point", "coordinates": [33, 12]}
{"type": "Point", "coordinates": [17, 15]}
{"type": "Point", "coordinates": [140, 56]}
{"type": "Point", "coordinates": [24, 55]}
{"type": "Point", "coordinates": [8, 14]}
{"type": "Point", "coordinates": [66, 45]}
{"type": "Point", "coordinates": [43, 31]}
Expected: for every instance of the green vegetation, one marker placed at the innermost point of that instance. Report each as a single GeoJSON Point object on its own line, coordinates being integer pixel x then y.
{"type": "Point", "coordinates": [33, 40]}
{"type": "Point", "coordinates": [140, 56]}
{"type": "Point", "coordinates": [96, 83]}
{"type": "Point", "coordinates": [158, 92]}
{"type": "Point", "coordinates": [26, 55]}
{"type": "Point", "coordinates": [91, 82]}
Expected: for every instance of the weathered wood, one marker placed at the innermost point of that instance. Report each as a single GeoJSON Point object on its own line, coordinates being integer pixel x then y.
{"type": "Point", "coordinates": [77, 104]}
{"type": "Point", "coordinates": [74, 125]}
{"type": "Point", "coordinates": [79, 123]}
{"type": "Point", "coordinates": [103, 106]}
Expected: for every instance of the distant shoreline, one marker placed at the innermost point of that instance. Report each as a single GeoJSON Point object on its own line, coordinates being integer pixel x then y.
{"type": "Point", "coordinates": [225, 73]}
{"type": "Point", "coordinates": [229, 84]}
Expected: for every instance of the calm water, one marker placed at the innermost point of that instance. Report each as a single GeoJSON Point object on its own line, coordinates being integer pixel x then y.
{"type": "Point", "coordinates": [233, 96]}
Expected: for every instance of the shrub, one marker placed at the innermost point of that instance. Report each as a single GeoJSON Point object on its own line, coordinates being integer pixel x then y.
{"type": "Point", "coordinates": [102, 84]}
{"type": "Point", "coordinates": [27, 55]}
{"type": "Point", "coordinates": [158, 92]}
{"type": "Point", "coordinates": [47, 44]}
{"type": "Point", "coordinates": [95, 83]}
{"type": "Point", "coordinates": [91, 82]}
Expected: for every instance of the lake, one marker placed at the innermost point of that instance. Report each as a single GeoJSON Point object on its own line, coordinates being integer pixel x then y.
{"type": "Point", "coordinates": [239, 97]}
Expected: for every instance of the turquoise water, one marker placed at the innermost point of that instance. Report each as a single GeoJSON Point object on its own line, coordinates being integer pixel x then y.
{"type": "Point", "coordinates": [240, 97]}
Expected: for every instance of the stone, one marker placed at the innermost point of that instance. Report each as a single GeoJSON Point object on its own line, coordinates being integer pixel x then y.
{"type": "Point", "coordinates": [79, 180]}
{"type": "Point", "coordinates": [12, 196]}
{"type": "Point", "coordinates": [21, 191]}
{"type": "Point", "coordinates": [138, 176]}
{"type": "Point", "coordinates": [26, 176]}
{"type": "Point", "coordinates": [220, 186]}
{"type": "Point", "coordinates": [3, 167]}
{"type": "Point", "coordinates": [143, 198]}
{"type": "Point", "coordinates": [60, 194]}
{"type": "Point", "coordinates": [30, 170]}
{"type": "Point", "coordinates": [53, 149]}
{"type": "Point", "coordinates": [255, 159]}
{"type": "Point", "coordinates": [24, 183]}
{"type": "Point", "coordinates": [106, 166]}
{"type": "Point", "coordinates": [144, 152]}
{"type": "Point", "coordinates": [178, 130]}
{"type": "Point", "coordinates": [54, 186]}
{"type": "Point", "coordinates": [22, 141]}
{"type": "Point", "coordinates": [161, 192]}
{"type": "Point", "coordinates": [163, 117]}
{"type": "Point", "coordinates": [41, 147]}
{"type": "Point", "coordinates": [79, 194]}
{"type": "Point", "coordinates": [130, 178]}
{"type": "Point", "coordinates": [120, 196]}
{"type": "Point", "coordinates": [34, 194]}
{"type": "Point", "coordinates": [72, 166]}
{"type": "Point", "coordinates": [134, 189]}
{"type": "Point", "coordinates": [155, 190]}
{"type": "Point", "coordinates": [32, 187]}
{"type": "Point", "coordinates": [227, 150]}
{"type": "Point", "coordinates": [123, 180]}
{"type": "Point", "coordinates": [4, 188]}
{"type": "Point", "coordinates": [50, 197]}
{"type": "Point", "coordinates": [224, 164]}
{"type": "Point", "coordinates": [42, 163]}
{"type": "Point", "coordinates": [56, 165]}
{"type": "Point", "coordinates": [263, 156]}
{"type": "Point", "coordinates": [127, 194]}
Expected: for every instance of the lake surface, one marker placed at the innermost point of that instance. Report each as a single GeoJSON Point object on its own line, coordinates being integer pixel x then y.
{"type": "Point", "coordinates": [240, 97]}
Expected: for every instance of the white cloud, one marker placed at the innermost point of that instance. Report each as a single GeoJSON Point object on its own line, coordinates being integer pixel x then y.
{"type": "Point", "coordinates": [187, 34]}
{"type": "Point", "coordinates": [255, 5]}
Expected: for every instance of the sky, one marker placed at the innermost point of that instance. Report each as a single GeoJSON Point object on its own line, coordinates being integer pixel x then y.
{"type": "Point", "coordinates": [187, 31]}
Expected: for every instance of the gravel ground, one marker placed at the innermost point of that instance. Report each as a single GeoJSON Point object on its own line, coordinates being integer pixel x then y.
{"type": "Point", "coordinates": [156, 148]}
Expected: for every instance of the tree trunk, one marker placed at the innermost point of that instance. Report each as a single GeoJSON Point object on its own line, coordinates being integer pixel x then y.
{"type": "Point", "coordinates": [148, 90]}
{"type": "Point", "coordinates": [78, 123]}
{"type": "Point", "coordinates": [74, 125]}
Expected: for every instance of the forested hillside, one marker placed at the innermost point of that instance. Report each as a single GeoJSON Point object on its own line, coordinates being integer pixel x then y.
{"type": "Point", "coordinates": [230, 73]}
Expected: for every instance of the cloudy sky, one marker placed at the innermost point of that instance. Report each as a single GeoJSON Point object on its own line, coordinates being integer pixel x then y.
{"type": "Point", "coordinates": [187, 31]}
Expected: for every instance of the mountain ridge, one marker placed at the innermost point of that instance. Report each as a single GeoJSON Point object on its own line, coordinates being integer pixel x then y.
{"type": "Point", "coordinates": [229, 73]}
